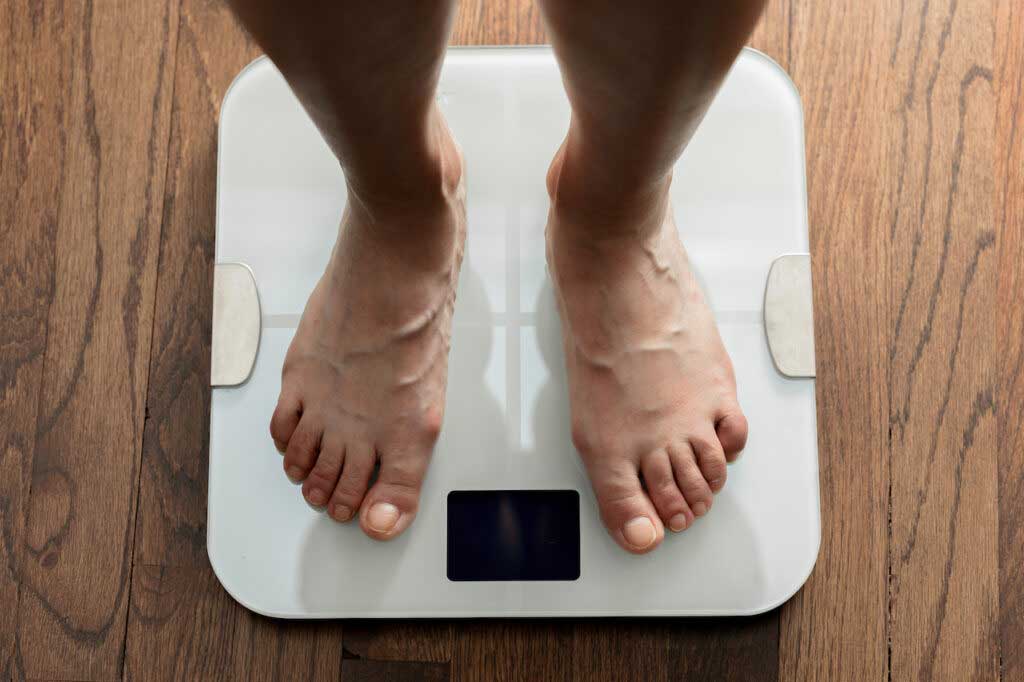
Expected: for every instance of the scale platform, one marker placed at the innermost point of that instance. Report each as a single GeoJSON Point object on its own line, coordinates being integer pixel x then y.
{"type": "Point", "coordinates": [483, 544]}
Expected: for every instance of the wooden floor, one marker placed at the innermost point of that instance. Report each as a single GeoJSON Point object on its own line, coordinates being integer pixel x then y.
{"type": "Point", "coordinates": [915, 164]}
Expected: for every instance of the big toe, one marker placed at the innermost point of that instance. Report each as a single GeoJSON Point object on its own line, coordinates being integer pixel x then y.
{"type": "Point", "coordinates": [391, 504]}
{"type": "Point", "coordinates": [626, 511]}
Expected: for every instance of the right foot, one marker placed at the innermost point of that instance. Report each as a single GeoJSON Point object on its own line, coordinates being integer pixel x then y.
{"type": "Point", "coordinates": [364, 378]}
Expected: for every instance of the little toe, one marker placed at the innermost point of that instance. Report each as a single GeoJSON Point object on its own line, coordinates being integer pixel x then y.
{"type": "Point", "coordinates": [284, 420]}
{"type": "Point", "coordinates": [690, 479]}
{"type": "Point", "coordinates": [663, 491]}
{"type": "Point", "coordinates": [627, 512]}
{"type": "Point", "coordinates": [731, 428]}
{"type": "Point", "coordinates": [352, 482]}
{"type": "Point", "coordinates": [392, 502]}
{"type": "Point", "coordinates": [303, 448]}
{"type": "Point", "coordinates": [710, 460]}
{"type": "Point", "coordinates": [323, 478]}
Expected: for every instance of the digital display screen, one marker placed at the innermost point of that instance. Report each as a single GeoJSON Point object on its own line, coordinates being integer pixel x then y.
{"type": "Point", "coordinates": [513, 535]}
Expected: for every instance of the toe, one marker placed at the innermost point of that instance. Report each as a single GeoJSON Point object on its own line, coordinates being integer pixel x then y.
{"type": "Point", "coordinates": [303, 448]}
{"type": "Point", "coordinates": [323, 478]}
{"type": "Point", "coordinates": [626, 511]}
{"type": "Point", "coordinates": [284, 420]}
{"type": "Point", "coordinates": [391, 503]}
{"type": "Point", "coordinates": [690, 480]}
{"type": "Point", "coordinates": [352, 483]}
{"type": "Point", "coordinates": [664, 493]}
{"type": "Point", "coordinates": [710, 460]}
{"type": "Point", "coordinates": [731, 428]}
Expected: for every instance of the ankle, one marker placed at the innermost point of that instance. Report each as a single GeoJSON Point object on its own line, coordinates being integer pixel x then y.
{"type": "Point", "coordinates": [427, 181]}
{"type": "Point", "coordinates": [587, 200]}
{"type": "Point", "coordinates": [590, 190]}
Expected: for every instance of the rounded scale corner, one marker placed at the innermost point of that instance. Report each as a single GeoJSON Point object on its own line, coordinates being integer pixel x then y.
{"type": "Point", "coordinates": [247, 602]}
{"type": "Point", "coordinates": [783, 76]}
{"type": "Point", "coordinates": [789, 591]}
{"type": "Point", "coordinates": [230, 92]}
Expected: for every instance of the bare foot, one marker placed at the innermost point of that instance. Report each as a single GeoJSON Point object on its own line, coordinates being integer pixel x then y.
{"type": "Point", "coordinates": [364, 378]}
{"type": "Point", "coordinates": [651, 387]}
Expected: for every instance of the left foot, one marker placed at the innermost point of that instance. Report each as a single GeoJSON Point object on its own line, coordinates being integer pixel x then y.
{"type": "Point", "coordinates": [651, 387]}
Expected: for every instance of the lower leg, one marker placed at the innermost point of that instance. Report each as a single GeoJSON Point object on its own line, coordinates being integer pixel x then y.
{"type": "Point", "coordinates": [640, 77]}
{"type": "Point", "coordinates": [652, 390]}
{"type": "Point", "coordinates": [366, 73]}
{"type": "Point", "coordinates": [364, 378]}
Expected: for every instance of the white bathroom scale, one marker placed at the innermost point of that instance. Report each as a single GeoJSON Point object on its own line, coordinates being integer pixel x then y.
{"type": "Point", "coordinates": [508, 525]}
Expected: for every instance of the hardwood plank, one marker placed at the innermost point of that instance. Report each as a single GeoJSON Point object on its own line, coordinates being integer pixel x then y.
{"type": "Point", "coordinates": [835, 627]}
{"type": "Point", "coordinates": [943, 556]}
{"type": "Point", "coordinates": [677, 649]}
{"type": "Point", "coordinates": [497, 650]}
{"type": "Point", "coordinates": [497, 22]}
{"type": "Point", "coordinates": [33, 59]}
{"type": "Point", "coordinates": [186, 627]}
{"type": "Point", "coordinates": [182, 624]}
{"type": "Point", "coordinates": [724, 648]}
{"type": "Point", "coordinates": [413, 640]}
{"type": "Point", "coordinates": [393, 671]}
{"type": "Point", "coordinates": [79, 529]}
{"type": "Point", "coordinates": [1009, 220]}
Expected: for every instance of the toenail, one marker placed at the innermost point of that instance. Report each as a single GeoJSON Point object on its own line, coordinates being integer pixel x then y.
{"type": "Point", "coordinates": [383, 516]}
{"type": "Point", "coordinates": [677, 522]}
{"type": "Point", "coordinates": [700, 509]}
{"type": "Point", "coordinates": [294, 474]}
{"type": "Point", "coordinates": [317, 497]}
{"type": "Point", "coordinates": [639, 532]}
{"type": "Point", "coordinates": [341, 513]}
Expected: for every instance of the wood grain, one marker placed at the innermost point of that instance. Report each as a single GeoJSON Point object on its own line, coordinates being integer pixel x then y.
{"type": "Point", "coordinates": [943, 552]}
{"type": "Point", "coordinates": [176, 597]}
{"type": "Point", "coordinates": [186, 627]}
{"type": "Point", "coordinates": [497, 22]}
{"type": "Point", "coordinates": [910, 520]}
{"type": "Point", "coordinates": [115, 95]}
{"type": "Point", "coordinates": [678, 649]}
{"type": "Point", "coordinates": [1009, 349]}
{"type": "Point", "coordinates": [835, 628]}
{"type": "Point", "coordinates": [393, 671]}
{"type": "Point", "coordinates": [35, 61]}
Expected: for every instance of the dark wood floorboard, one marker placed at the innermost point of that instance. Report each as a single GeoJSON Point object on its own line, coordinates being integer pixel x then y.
{"type": "Point", "coordinates": [32, 155]}
{"type": "Point", "coordinates": [103, 114]}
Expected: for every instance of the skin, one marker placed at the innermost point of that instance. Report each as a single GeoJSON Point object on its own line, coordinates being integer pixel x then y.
{"type": "Point", "coordinates": [651, 388]}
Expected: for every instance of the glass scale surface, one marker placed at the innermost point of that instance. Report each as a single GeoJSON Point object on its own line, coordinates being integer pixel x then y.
{"type": "Point", "coordinates": [508, 525]}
